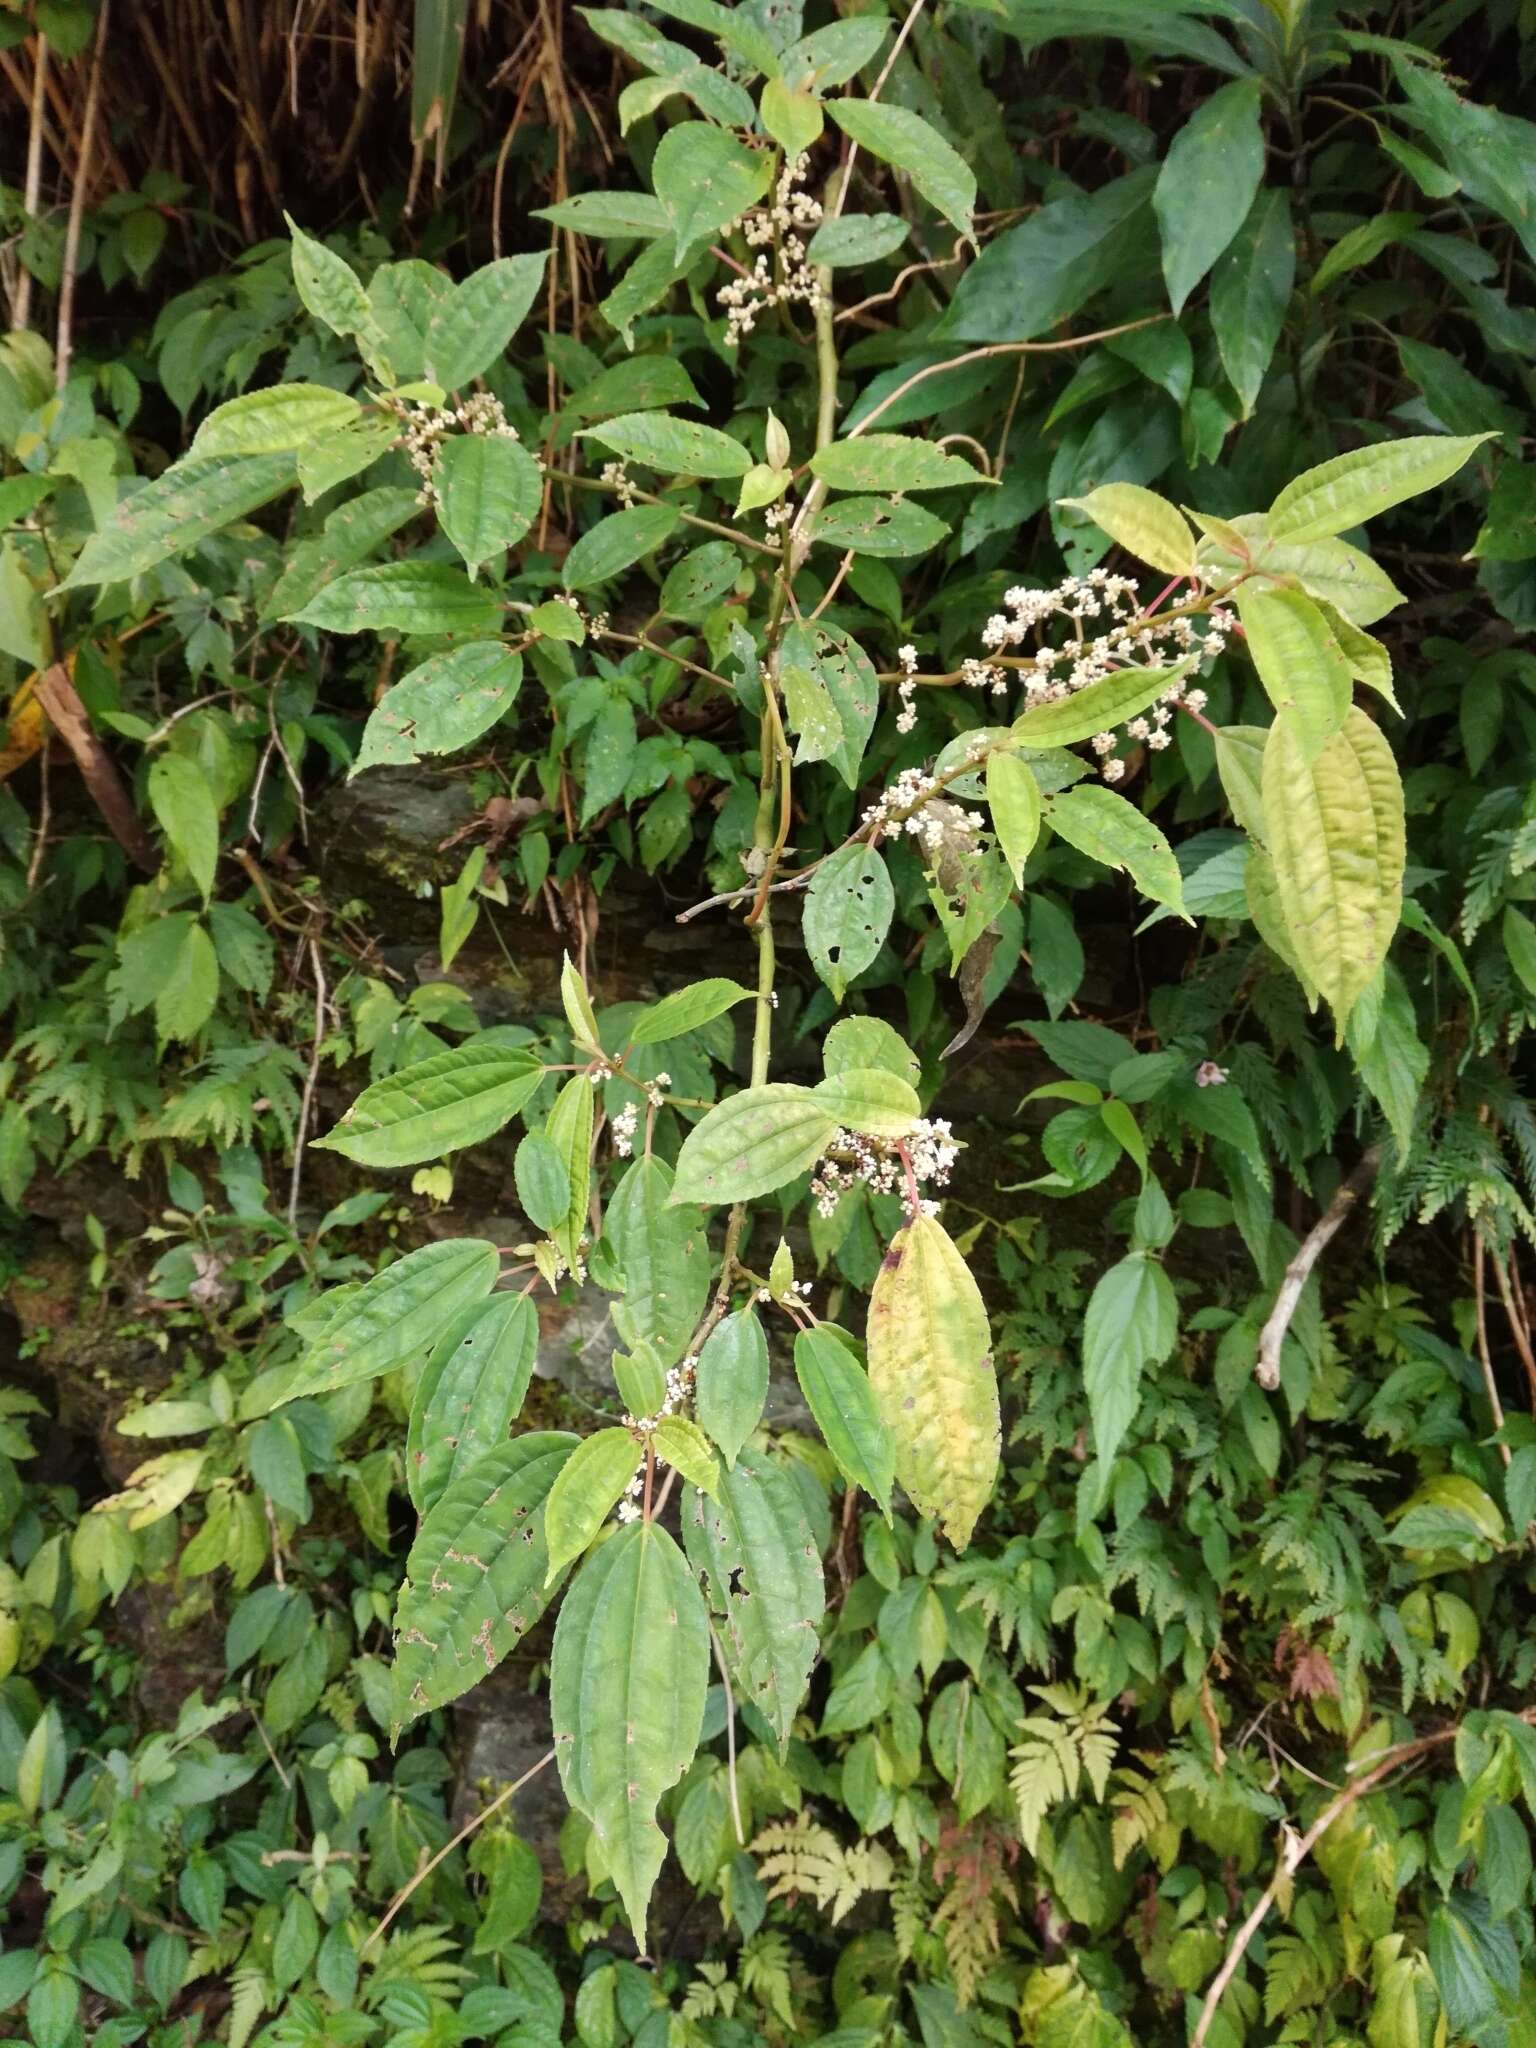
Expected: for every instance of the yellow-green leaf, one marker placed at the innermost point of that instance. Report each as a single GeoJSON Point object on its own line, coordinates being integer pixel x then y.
{"type": "Point", "coordinates": [1334, 825]}
{"type": "Point", "coordinates": [1141, 522]}
{"type": "Point", "coordinates": [1299, 661]}
{"type": "Point", "coordinates": [1355, 487]}
{"type": "Point", "coordinates": [930, 1364]}
{"type": "Point", "coordinates": [590, 1486]}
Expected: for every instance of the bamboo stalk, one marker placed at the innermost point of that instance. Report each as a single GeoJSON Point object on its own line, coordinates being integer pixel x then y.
{"type": "Point", "coordinates": [64, 349]}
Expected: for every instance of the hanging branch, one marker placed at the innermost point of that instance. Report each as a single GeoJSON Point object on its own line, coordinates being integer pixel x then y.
{"type": "Point", "coordinates": [1299, 1271]}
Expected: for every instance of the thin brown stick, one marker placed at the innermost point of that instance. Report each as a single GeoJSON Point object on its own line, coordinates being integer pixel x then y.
{"type": "Point", "coordinates": [64, 347]}
{"type": "Point", "coordinates": [44, 817]}
{"type": "Point", "coordinates": [1485, 1355]}
{"type": "Point", "coordinates": [874, 93]}
{"type": "Point", "coordinates": [1296, 1848]}
{"type": "Point", "coordinates": [469, 1827]}
{"type": "Point", "coordinates": [1518, 1327]}
{"type": "Point", "coordinates": [21, 311]}
{"type": "Point", "coordinates": [1299, 1271]}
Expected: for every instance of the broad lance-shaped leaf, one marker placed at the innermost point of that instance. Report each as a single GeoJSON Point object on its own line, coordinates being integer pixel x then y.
{"type": "Point", "coordinates": [870, 1099]}
{"type": "Point", "coordinates": [685, 1010]}
{"type": "Point", "coordinates": [1336, 836]}
{"type": "Point", "coordinates": [489, 489]}
{"type": "Point", "coordinates": [443, 704]}
{"type": "Point", "coordinates": [627, 1682]}
{"type": "Point", "coordinates": [664, 1255]}
{"type": "Point", "coordinates": [587, 1491]}
{"type": "Point", "coordinates": [1131, 1323]}
{"type": "Point", "coordinates": [1153, 530]}
{"type": "Point", "coordinates": [754, 1547]}
{"type": "Point", "coordinates": [394, 1316]}
{"type": "Point", "coordinates": [1097, 707]}
{"type": "Point", "coordinates": [841, 1398]}
{"type": "Point", "coordinates": [471, 1388]}
{"type": "Point", "coordinates": [474, 1581]}
{"type": "Point", "coordinates": [908, 143]}
{"type": "Point", "coordinates": [404, 597]}
{"type": "Point", "coordinates": [192, 499]}
{"type": "Point", "coordinates": [472, 325]}
{"type": "Point", "coordinates": [930, 1363]}
{"type": "Point", "coordinates": [752, 1143]}
{"type": "Point", "coordinates": [275, 421]}
{"type": "Point", "coordinates": [731, 1381]}
{"type": "Point", "coordinates": [1298, 657]}
{"type": "Point", "coordinates": [1108, 829]}
{"type": "Point", "coordinates": [569, 1130]}
{"type": "Point", "coordinates": [891, 462]}
{"type": "Point", "coordinates": [1350, 489]}
{"type": "Point", "coordinates": [436, 1105]}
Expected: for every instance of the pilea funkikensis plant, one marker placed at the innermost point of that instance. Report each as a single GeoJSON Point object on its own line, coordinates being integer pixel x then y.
{"type": "Point", "coordinates": [642, 1183]}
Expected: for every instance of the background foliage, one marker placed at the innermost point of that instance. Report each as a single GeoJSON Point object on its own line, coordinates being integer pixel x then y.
{"type": "Point", "coordinates": [1039, 1784]}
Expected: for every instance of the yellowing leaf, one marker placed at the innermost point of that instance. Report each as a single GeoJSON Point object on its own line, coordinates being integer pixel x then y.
{"type": "Point", "coordinates": [1355, 487]}
{"type": "Point", "coordinates": [930, 1364]}
{"type": "Point", "coordinates": [1334, 823]}
{"type": "Point", "coordinates": [1299, 661]}
{"type": "Point", "coordinates": [1144, 524]}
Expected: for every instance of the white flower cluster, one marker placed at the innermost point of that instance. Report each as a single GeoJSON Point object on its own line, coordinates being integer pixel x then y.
{"type": "Point", "coordinates": [1126, 638]}
{"type": "Point", "coordinates": [624, 1123]}
{"type": "Point", "coordinates": [906, 689]}
{"type": "Point", "coordinates": [852, 1157]}
{"type": "Point", "coordinates": [428, 426]}
{"type": "Point", "coordinates": [623, 483]}
{"type": "Point", "coordinates": [911, 805]}
{"type": "Point", "coordinates": [785, 278]}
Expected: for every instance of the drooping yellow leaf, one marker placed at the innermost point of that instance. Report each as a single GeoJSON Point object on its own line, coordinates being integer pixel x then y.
{"type": "Point", "coordinates": [930, 1364]}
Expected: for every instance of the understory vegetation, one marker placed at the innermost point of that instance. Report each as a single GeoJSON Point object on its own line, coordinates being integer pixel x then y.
{"type": "Point", "coordinates": [767, 851]}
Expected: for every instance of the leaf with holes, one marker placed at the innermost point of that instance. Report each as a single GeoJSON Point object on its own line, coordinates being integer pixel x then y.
{"type": "Point", "coordinates": [475, 1578]}
{"type": "Point", "coordinates": [628, 1678]}
{"type": "Point", "coordinates": [472, 1387]}
{"type": "Point", "coordinates": [443, 704]}
{"type": "Point", "coordinates": [436, 1105]}
{"type": "Point", "coordinates": [705, 178]}
{"type": "Point", "coordinates": [754, 1548]}
{"type": "Point", "coordinates": [848, 910]}
{"type": "Point", "coordinates": [930, 1364]}
{"type": "Point", "coordinates": [890, 462]}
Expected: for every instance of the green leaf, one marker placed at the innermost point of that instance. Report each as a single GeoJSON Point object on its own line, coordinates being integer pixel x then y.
{"type": "Point", "coordinates": [1098, 707]}
{"type": "Point", "coordinates": [754, 1548]}
{"type": "Point", "coordinates": [350, 533]}
{"type": "Point", "coordinates": [633, 384]}
{"type": "Point", "coordinates": [697, 583]}
{"type": "Point", "coordinates": [1299, 661]}
{"type": "Point", "coordinates": [1335, 832]}
{"type": "Point", "coordinates": [855, 238]}
{"type": "Point", "coordinates": [1392, 1059]}
{"type": "Point", "coordinates": [685, 1010]}
{"type": "Point", "coordinates": [1131, 1323]}
{"type": "Point", "coordinates": [1240, 765]}
{"type": "Point", "coordinates": [846, 680]}
{"type": "Point", "coordinates": [848, 910]}
{"type": "Point", "coordinates": [793, 119]}
{"type": "Point", "coordinates": [868, 1042]}
{"type": "Point", "coordinates": [475, 1578]}
{"type": "Point", "coordinates": [930, 1363]}
{"type": "Point", "coordinates": [275, 421]}
{"type": "Point", "coordinates": [404, 597]}
{"type": "Point", "coordinates": [1353, 488]}
{"type": "Point", "coordinates": [192, 499]}
{"type": "Point", "coordinates": [329, 288]}
{"type": "Point", "coordinates": [543, 1185]}
{"type": "Point", "coordinates": [731, 1381]}
{"type": "Point", "coordinates": [590, 1486]}
{"type": "Point", "coordinates": [681, 447]}
{"type": "Point", "coordinates": [622, 215]}
{"type": "Point", "coordinates": [443, 704]}
{"type": "Point", "coordinates": [1143, 523]}
{"type": "Point", "coordinates": [469, 330]}
{"type": "Point", "coordinates": [752, 1143]}
{"type": "Point", "coordinates": [436, 1105]}
{"type": "Point", "coordinates": [1362, 245]}
{"type": "Point", "coordinates": [396, 1315]}
{"type": "Point", "coordinates": [471, 1388]}
{"type": "Point", "coordinates": [1476, 1961]}
{"type": "Point", "coordinates": [1520, 947]}
{"type": "Point", "coordinates": [489, 491]}
{"type": "Point", "coordinates": [1207, 183]}
{"type": "Point", "coordinates": [616, 544]}
{"type": "Point", "coordinates": [810, 713]}
{"type": "Point", "coordinates": [911, 145]}
{"type": "Point", "coordinates": [705, 179]}
{"type": "Point", "coordinates": [841, 1398]}
{"type": "Point", "coordinates": [324, 464]}
{"type": "Point", "coordinates": [878, 526]}
{"type": "Point", "coordinates": [683, 1444]}
{"type": "Point", "coordinates": [870, 1099]}
{"type": "Point", "coordinates": [663, 1252]}
{"type": "Point", "coordinates": [183, 802]}
{"type": "Point", "coordinates": [890, 462]}
{"type": "Point", "coordinates": [627, 1684]}
{"type": "Point", "coordinates": [1013, 797]}
{"type": "Point", "coordinates": [1034, 276]}
{"type": "Point", "coordinates": [1108, 829]}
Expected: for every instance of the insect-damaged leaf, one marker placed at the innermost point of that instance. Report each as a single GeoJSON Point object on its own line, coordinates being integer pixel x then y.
{"type": "Point", "coordinates": [754, 1546]}
{"type": "Point", "coordinates": [474, 1581]}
